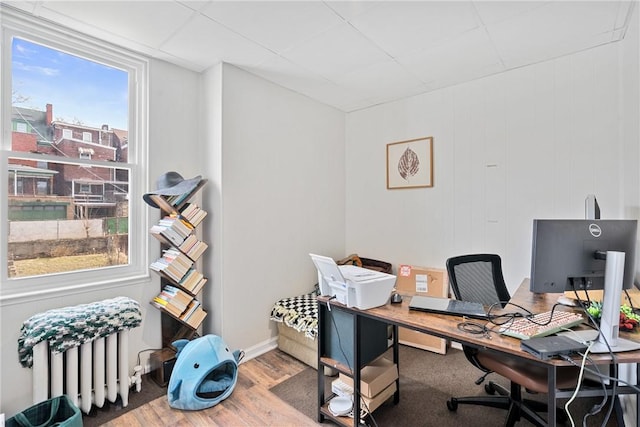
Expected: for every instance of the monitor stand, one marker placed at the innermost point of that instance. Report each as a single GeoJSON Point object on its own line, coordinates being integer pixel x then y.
{"type": "Point", "coordinates": [607, 340]}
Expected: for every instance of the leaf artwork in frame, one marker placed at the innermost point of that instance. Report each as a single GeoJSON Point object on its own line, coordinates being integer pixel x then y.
{"type": "Point", "coordinates": [410, 163]}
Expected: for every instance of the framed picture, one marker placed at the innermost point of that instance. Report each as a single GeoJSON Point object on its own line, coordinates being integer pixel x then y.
{"type": "Point", "coordinates": [410, 163]}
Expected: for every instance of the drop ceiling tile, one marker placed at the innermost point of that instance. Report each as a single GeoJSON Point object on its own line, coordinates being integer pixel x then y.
{"type": "Point", "coordinates": [146, 23]}
{"type": "Point", "coordinates": [556, 29]}
{"type": "Point", "coordinates": [195, 4]}
{"type": "Point", "coordinates": [276, 25]}
{"type": "Point", "coordinates": [205, 42]}
{"type": "Point", "coordinates": [336, 52]}
{"type": "Point", "coordinates": [287, 74]}
{"type": "Point", "coordinates": [382, 80]}
{"type": "Point", "coordinates": [471, 50]}
{"type": "Point", "coordinates": [401, 28]}
{"type": "Point", "coordinates": [342, 98]}
{"type": "Point", "coordinates": [350, 9]}
{"type": "Point", "coordinates": [492, 12]}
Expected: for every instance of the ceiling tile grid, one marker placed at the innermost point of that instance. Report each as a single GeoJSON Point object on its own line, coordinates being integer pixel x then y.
{"type": "Point", "coordinates": [348, 54]}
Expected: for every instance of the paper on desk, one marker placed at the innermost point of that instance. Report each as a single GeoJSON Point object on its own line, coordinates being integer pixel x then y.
{"type": "Point", "coordinates": [422, 283]}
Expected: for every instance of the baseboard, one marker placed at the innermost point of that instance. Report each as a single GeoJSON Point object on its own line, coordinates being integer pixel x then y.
{"type": "Point", "coordinates": [260, 348]}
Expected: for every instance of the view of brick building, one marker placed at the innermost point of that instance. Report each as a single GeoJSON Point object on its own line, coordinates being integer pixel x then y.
{"type": "Point", "coordinates": [87, 191]}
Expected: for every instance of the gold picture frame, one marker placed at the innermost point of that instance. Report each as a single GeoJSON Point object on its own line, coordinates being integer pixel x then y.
{"type": "Point", "coordinates": [410, 163]}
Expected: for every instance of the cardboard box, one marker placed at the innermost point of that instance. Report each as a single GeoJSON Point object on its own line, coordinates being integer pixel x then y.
{"type": "Point", "coordinates": [373, 403]}
{"type": "Point", "coordinates": [433, 282]}
{"type": "Point", "coordinates": [375, 377]}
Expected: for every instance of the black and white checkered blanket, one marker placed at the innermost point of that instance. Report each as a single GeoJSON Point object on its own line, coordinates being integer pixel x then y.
{"type": "Point", "coordinates": [299, 313]}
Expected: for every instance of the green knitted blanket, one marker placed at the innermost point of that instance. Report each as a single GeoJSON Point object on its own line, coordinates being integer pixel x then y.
{"type": "Point", "coordinates": [70, 327]}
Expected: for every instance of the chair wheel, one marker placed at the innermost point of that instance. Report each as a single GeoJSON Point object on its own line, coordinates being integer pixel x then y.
{"type": "Point", "coordinates": [489, 388]}
{"type": "Point", "coordinates": [452, 404]}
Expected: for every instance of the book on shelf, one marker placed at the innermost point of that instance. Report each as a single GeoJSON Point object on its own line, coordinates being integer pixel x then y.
{"type": "Point", "coordinates": [193, 281]}
{"type": "Point", "coordinates": [196, 250]}
{"type": "Point", "coordinates": [198, 287]}
{"type": "Point", "coordinates": [173, 263]}
{"type": "Point", "coordinates": [166, 235]}
{"type": "Point", "coordinates": [177, 296]}
{"type": "Point", "coordinates": [193, 213]}
{"type": "Point", "coordinates": [196, 317]}
{"type": "Point", "coordinates": [193, 305]}
{"type": "Point", "coordinates": [175, 301]}
{"type": "Point", "coordinates": [175, 223]}
{"type": "Point", "coordinates": [162, 302]}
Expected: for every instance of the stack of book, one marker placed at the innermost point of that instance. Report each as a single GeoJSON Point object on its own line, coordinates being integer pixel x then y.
{"type": "Point", "coordinates": [173, 300]}
{"type": "Point", "coordinates": [193, 247]}
{"type": "Point", "coordinates": [194, 314]}
{"type": "Point", "coordinates": [193, 281]}
{"type": "Point", "coordinates": [173, 263]}
{"type": "Point", "coordinates": [192, 213]}
{"type": "Point", "coordinates": [171, 230]}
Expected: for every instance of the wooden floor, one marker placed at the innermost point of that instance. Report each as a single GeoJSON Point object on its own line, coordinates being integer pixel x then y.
{"type": "Point", "coordinates": [250, 404]}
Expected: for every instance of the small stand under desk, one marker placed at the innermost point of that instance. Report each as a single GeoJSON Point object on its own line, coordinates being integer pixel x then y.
{"type": "Point", "coordinates": [359, 325]}
{"type": "Point", "coordinates": [444, 326]}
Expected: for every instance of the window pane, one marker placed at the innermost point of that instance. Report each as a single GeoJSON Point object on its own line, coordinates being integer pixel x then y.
{"type": "Point", "coordinates": [65, 215]}
{"type": "Point", "coordinates": [62, 218]}
{"type": "Point", "coordinates": [69, 102]}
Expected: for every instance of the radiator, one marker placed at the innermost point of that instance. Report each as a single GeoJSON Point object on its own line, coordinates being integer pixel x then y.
{"type": "Point", "coordinates": [87, 374]}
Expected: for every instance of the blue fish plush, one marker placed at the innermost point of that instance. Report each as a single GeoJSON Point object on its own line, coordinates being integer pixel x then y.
{"type": "Point", "coordinates": [205, 373]}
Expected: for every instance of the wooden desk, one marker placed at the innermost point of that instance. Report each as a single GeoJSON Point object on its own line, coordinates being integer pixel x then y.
{"type": "Point", "coordinates": [447, 327]}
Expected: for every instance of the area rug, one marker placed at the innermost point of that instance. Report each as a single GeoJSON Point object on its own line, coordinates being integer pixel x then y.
{"type": "Point", "coordinates": [427, 380]}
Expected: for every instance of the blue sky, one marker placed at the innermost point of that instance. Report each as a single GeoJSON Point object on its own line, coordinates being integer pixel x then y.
{"type": "Point", "coordinates": [79, 89]}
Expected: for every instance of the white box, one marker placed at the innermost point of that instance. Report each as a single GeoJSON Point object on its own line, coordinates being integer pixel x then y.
{"type": "Point", "coordinates": [351, 285]}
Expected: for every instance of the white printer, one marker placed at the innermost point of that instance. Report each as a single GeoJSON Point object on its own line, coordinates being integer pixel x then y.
{"type": "Point", "coordinates": [351, 285]}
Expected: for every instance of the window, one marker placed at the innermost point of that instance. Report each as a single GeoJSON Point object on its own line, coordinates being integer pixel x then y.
{"type": "Point", "coordinates": [63, 190]}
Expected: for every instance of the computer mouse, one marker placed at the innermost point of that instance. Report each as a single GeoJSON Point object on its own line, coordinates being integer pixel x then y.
{"type": "Point", "coordinates": [396, 298]}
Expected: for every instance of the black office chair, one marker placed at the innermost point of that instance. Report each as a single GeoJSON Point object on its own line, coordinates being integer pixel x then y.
{"type": "Point", "coordinates": [479, 278]}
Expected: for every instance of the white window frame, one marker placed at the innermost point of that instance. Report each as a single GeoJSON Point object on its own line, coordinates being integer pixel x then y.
{"type": "Point", "coordinates": [16, 290]}
{"type": "Point", "coordinates": [87, 136]}
{"type": "Point", "coordinates": [67, 133]}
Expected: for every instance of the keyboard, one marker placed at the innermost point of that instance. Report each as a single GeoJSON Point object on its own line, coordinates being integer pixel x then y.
{"type": "Point", "coordinates": [539, 324]}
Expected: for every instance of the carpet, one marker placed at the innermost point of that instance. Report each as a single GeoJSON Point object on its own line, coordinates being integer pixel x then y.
{"type": "Point", "coordinates": [424, 392]}
{"type": "Point", "coordinates": [148, 392]}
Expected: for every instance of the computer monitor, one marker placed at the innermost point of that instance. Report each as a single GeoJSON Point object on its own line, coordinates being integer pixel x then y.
{"type": "Point", "coordinates": [586, 254]}
{"type": "Point", "coordinates": [563, 255]}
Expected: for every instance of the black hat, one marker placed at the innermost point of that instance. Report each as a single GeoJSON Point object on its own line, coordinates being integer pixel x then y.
{"type": "Point", "coordinates": [172, 184]}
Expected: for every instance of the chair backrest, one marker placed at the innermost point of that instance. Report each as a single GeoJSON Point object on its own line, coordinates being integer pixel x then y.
{"type": "Point", "coordinates": [478, 278]}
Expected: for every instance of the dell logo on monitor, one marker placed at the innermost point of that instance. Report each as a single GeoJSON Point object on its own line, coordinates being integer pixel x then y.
{"type": "Point", "coordinates": [595, 230]}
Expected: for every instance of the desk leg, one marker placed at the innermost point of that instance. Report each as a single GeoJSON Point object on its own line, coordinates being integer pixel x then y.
{"type": "Point", "coordinates": [396, 360]}
{"type": "Point", "coordinates": [355, 369]}
{"type": "Point", "coordinates": [551, 398]}
{"type": "Point", "coordinates": [320, 338]}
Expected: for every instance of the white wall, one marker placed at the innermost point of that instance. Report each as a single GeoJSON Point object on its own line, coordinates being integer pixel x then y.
{"type": "Point", "coordinates": [174, 144]}
{"type": "Point", "coordinates": [524, 144]}
{"type": "Point", "coordinates": [278, 158]}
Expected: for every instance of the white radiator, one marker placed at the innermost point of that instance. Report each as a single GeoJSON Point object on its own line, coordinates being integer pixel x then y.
{"type": "Point", "coordinates": [87, 374]}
